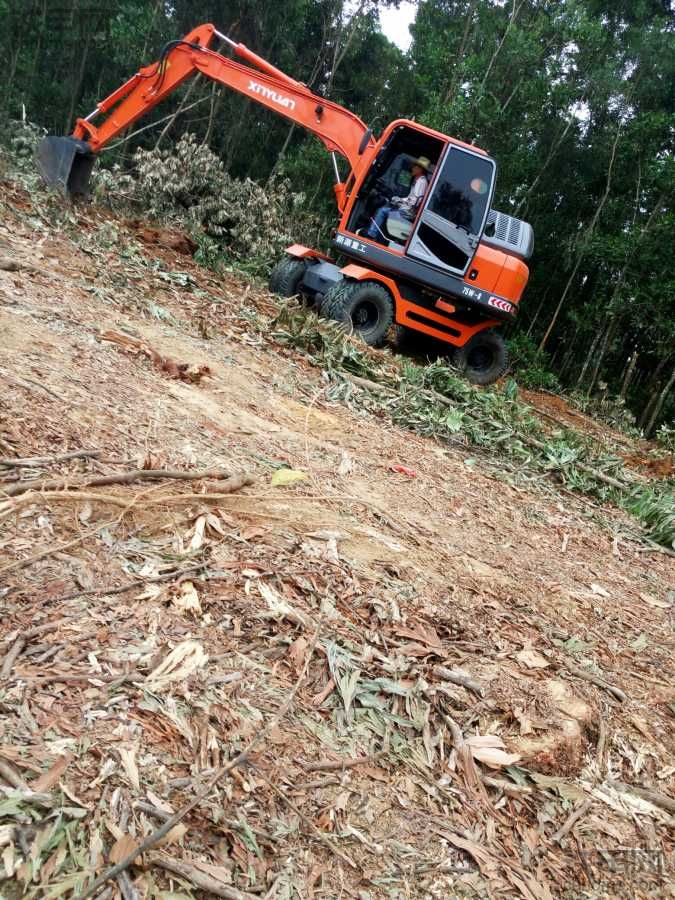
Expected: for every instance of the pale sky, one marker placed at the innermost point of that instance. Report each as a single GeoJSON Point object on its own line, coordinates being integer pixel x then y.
{"type": "Point", "coordinates": [395, 23]}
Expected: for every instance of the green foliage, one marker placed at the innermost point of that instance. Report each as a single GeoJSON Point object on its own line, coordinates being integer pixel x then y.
{"type": "Point", "coordinates": [434, 400]}
{"type": "Point", "coordinates": [665, 437]}
{"type": "Point", "coordinates": [655, 507]}
{"type": "Point", "coordinates": [21, 139]}
{"type": "Point", "coordinates": [209, 252]}
{"type": "Point", "coordinates": [187, 184]}
{"type": "Point", "coordinates": [326, 343]}
{"type": "Point", "coordinates": [531, 365]}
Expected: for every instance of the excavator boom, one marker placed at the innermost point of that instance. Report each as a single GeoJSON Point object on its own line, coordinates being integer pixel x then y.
{"type": "Point", "coordinates": [66, 162]}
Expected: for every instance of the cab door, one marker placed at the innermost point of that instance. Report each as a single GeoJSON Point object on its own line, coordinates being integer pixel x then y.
{"type": "Point", "coordinates": [449, 228]}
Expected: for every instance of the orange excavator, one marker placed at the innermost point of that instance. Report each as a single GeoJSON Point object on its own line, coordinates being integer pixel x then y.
{"type": "Point", "coordinates": [432, 257]}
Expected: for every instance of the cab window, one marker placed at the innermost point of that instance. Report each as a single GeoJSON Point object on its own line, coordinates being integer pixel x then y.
{"type": "Point", "coordinates": [462, 191]}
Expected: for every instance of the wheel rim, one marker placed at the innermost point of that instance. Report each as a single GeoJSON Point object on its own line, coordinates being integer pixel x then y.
{"type": "Point", "coordinates": [365, 315]}
{"type": "Point", "coordinates": [480, 358]}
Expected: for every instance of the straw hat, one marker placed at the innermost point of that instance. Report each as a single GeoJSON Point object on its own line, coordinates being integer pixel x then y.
{"type": "Point", "coordinates": [422, 162]}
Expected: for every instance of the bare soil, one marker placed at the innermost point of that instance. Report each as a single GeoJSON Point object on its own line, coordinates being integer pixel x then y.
{"type": "Point", "coordinates": [408, 571]}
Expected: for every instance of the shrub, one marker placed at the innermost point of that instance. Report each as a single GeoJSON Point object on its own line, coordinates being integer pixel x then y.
{"type": "Point", "coordinates": [607, 408]}
{"type": "Point", "coordinates": [21, 138]}
{"type": "Point", "coordinates": [655, 506]}
{"type": "Point", "coordinates": [187, 183]}
{"type": "Point", "coordinates": [665, 437]}
{"type": "Point", "coordinates": [530, 364]}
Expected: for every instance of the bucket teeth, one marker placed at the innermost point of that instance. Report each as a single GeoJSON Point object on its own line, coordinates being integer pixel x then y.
{"type": "Point", "coordinates": [65, 163]}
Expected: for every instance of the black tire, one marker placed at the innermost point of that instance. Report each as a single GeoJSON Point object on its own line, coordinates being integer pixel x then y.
{"type": "Point", "coordinates": [365, 308]}
{"type": "Point", "coordinates": [286, 276]}
{"type": "Point", "coordinates": [484, 358]}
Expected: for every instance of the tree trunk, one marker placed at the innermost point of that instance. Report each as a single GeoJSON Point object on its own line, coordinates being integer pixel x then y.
{"type": "Point", "coordinates": [181, 107]}
{"type": "Point", "coordinates": [569, 356]}
{"type": "Point", "coordinates": [212, 113]}
{"type": "Point", "coordinates": [512, 19]}
{"type": "Point", "coordinates": [556, 312]}
{"type": "Point", "coordinates": [582, 249]}
{"type": "Point", "coordinates": [534, 319]}
{"type": "Point", "coordinates": [555, 146]}
{"type": "Point", "coordinates": [608, 335]}
{"type": "Point", "coordinates": [658, 405]}
{"type": "Point", "coordinates": [611, 328]}
{"type": "Point", "coordinates": [77, 84]}
{"type": "Point", "coordinates": [449, 94]}
{"type": "Point", "coordinates": [653, 387]}
{"type": "Point", "coordinates": [628, 374]}
{"type": "Point", "coordinates": [589, 357]}
{"type": "Point", "coordinates": [282, 153]}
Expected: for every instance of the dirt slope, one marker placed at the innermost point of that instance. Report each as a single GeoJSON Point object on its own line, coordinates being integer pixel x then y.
{"type": "Point", "coordinates": [408, 574]}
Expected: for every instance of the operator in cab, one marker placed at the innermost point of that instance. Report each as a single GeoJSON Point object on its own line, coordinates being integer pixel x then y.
{"type": "Point", "coordinates": [402, 207]}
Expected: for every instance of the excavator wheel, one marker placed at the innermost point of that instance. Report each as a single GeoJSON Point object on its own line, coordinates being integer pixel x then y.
{"type": "Point", "coordinates": [363, 307]}
{"type": "Point", "coordinates": [484, 358]}
{"type": "Point", "coordinates": [286, 276]}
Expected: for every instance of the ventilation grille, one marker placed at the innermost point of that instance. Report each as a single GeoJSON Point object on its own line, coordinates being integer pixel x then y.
{"type": "Point", "coordinates": [508, 233]}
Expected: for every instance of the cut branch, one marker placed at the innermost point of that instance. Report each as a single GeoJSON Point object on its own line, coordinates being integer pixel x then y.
{"type": "Point", "coordinates": [463, 679]}
{"type": "Point", "coordinates": [330, 765]}
{"type": "Point", "coordinates": [199, 879]}
{"type": "Point", "coordinates": [32, 462]}
{"type": "Point", "coordinates": [64, 484]}
{"type": "Point", "coordinates": [594, 679]}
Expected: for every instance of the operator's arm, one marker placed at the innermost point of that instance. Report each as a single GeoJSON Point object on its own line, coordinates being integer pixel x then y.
{"type": "Point", "coordinates": [410, 204]}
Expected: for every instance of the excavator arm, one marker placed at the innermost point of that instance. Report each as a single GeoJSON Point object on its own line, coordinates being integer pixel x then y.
{"type": "Point", "coordinates": [66, 162]}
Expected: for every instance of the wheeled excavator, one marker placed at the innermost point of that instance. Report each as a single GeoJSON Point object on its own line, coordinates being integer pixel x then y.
{"type": "Point", "coordinates": [454, 270]}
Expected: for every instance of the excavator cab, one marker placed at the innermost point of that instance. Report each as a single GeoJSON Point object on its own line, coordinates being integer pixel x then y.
{"type": "Point", "coordinates": [446, 228]}
{"type": "Point", "coordinates": [437, 271]}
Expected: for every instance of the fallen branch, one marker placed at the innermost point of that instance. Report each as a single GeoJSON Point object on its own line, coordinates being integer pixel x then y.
{"type": "Point", "coordinates": [162, 815]}
{"type": "Point", "coordinates": [12, 777]}
{"type": "Point", "coordinates": [602, 742]}
{"type": "Point", "coordinates": [235, 483]}
{"type": "Point", "coordinates": [65, 484]}
{"type": "Point", "coordinates": [7, 264]}
{"type": "Point", "coordinates": [28, 383]}
{"type": "Point", "coordinates": [22, 563]}
{"type": "Point", "coordinates": [338, 765]}
{"type": "Point", "coordinates": [11, 657]}
{"type": "Point", "coordinates": [594, 679]}
{"type": "Point", "coordinates": [302, 786]}
{"type": "Point", "coordinates": [17, 647]}
{"type": "Point", "coordinates": [65, 678]}
{"type": "Point", "coordinates": [30, 462]}
{"type": "Point", "coordinates": [156, 836]}
{"type": "Point", "coordinates": [507, 787]}
{"type": "Point", "coordinates": [458, 676]}
{"type": "Point", "coordinates": [571, 821]}
{"type": "Point", "coordinates": [199, 879]}
{"type": "Point", "coordinates": [655, 797]}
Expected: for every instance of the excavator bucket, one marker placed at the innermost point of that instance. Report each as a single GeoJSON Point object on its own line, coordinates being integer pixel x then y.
{"type": "Point", "coordinates": [65, 163]}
